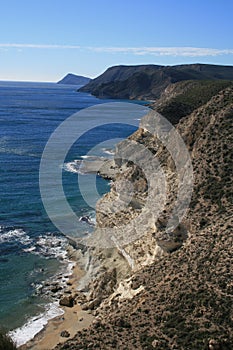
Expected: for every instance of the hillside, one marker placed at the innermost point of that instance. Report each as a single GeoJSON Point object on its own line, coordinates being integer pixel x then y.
{"type": "Point", "coordinates": [182, 98]}
{"type": "Point", "coordinates": [179, 293]}
{"type": "Point", "coordinates": [73, 79]}
{"type": "Point", "coordinates": [147, 82]}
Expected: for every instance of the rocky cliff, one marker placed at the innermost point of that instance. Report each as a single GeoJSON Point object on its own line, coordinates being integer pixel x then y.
{"type": "Point", "coordinates": [167, 288]}
{"type": "Point", "coordinates": [147, 82]}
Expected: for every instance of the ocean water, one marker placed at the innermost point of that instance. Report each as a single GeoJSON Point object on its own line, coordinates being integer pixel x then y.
{"type": "Point", "coordinates": [32, 249]}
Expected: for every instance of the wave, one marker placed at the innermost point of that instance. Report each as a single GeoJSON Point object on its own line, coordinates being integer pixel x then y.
{"type": "Point", "coordinates": [48, 245]}
{"type": "Point", "coordinates": [108, 151]}
{"type": "Point", "coordinates": [88, 165]}
{"type": "Point", "coordinates": [35, 324]}
{"type": "Point", "coordinates": [73, 167]}
{"type": "Point", "coordinates": [8, 235]}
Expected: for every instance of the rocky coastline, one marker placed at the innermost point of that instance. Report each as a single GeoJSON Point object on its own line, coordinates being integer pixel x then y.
{"type": "Point", "coordinates": [164, 289]}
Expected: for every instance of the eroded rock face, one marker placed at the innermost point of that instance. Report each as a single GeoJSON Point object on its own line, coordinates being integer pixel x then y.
{"type": "Point", "coordinates": [141, 200]}
{"type": "Point", "coordinates": [181, 300]}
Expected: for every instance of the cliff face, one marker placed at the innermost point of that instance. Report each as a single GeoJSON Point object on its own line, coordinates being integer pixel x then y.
{"type": "Point", "coordinates": [176, 288]}
{"type": "Point", "coordinates": [149, 81]}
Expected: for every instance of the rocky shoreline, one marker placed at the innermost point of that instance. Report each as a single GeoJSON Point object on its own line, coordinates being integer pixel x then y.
{"type": "Point", "coordinates": [163, 289]}
{"type": "Point", "coordinates": [166, 289]}
{"type": "Point", "coordinates": [64, 291]}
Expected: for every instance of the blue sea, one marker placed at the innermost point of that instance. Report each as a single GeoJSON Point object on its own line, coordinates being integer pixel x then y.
{"type": "Point", "coordinates": [32, 249]}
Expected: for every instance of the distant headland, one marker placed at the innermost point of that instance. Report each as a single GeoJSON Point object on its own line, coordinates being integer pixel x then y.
{"type": "Point", "coordinates": [73, 79]}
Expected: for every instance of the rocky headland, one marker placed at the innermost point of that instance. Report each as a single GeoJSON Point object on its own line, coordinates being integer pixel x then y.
{"type": "Point", "coordinates": [149, 282]}
{"type": "Point", "coordinates": [166, 289]}
{"type": "Point", "coordinates": [148, 82]}
{"type": "Point", "coordinates": [73, 79]}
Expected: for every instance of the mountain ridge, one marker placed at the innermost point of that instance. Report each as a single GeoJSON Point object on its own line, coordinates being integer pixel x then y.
{"type": "Point", "coordinates": [147, 82]}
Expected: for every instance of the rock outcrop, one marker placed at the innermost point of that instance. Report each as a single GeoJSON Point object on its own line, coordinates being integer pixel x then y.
{"type": "Point", "coordinates": [168, 289]}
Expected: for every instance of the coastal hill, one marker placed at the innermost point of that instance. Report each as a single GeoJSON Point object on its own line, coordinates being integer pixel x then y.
{"type": "Point", "coordinates": [73, 79]}
{"type": "Point", "coordinates": [182, 98]}
{"type": "Point", "coordinates": [169, 291]}
{"type": "Point", "coordinates": [147, 82]}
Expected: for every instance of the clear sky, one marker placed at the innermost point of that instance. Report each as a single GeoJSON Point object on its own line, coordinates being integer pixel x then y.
{"type": "Point", "coordinates": [43, 40]}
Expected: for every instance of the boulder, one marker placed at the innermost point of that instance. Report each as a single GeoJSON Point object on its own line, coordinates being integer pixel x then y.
{"type": "Point", "coordinates": [65, 334]}
{"type": "Point", "coordinates": [56, 288]}
{"type": "Point", "coordinates": [67, 301]}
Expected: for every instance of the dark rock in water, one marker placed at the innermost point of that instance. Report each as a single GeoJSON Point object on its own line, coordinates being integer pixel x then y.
{"type": "Point", "coordinates": [65, 334]}
{"type": "Point", "coordinates": [86, 219]}
{"type": "Point", "coordinates": [3, 260]}
{"type": "Point", "coordinates": [67, 301]}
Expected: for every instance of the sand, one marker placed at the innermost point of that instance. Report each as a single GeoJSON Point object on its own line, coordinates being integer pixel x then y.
{"type": "Point", "coordinates": [73, 320]}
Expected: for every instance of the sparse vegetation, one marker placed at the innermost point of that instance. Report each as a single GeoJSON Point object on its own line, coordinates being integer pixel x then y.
{"type": "Point", "coordinates": [187, 299]}
{"type": "Point", "coordinates": [187, 96]}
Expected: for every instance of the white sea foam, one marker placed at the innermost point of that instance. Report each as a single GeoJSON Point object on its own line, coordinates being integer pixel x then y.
{"type": "Point", "coordinates": [73, 167]}
{"type": "Point", "coordinates": [86, 157]}
{"type": "Point", "coordinates": [12, 235]}
{"type": "Point", "coordinates": [47, 245]}
{"type": "Point", "coordinates": [109, 151]}
{"type": "Point", "coordinates": [51, 246]}
{"type": "Point", "coordinates": [92, 158]}
{"type": "Point", "coordinates": [35, 324]}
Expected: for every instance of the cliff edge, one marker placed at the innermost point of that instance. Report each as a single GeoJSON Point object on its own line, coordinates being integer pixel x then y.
{"type": "Point", "coordinates": [168, 289]}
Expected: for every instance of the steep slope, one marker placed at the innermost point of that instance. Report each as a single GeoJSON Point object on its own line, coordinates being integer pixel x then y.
{"type": "Point", "coordinates": [73, 79]}
{"type": "Point", "coordinates": [149, 81]}
{"type": "Point", "coordinates": [182, 98]}
{"type": "Point", "coordinates": [118, 73]}
{"type": "Point", "coordinates": [182, 299]}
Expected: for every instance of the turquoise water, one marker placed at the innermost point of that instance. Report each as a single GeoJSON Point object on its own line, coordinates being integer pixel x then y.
{"type": "Point", "coordinates": [31, 247]}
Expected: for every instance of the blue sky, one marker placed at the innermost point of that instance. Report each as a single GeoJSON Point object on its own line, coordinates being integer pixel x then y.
{"type": "Point", "coordinates": [43, 40]}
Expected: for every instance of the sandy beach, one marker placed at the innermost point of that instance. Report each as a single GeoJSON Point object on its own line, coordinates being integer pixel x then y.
{"type": "Point", "coordinates": [73, 320]}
